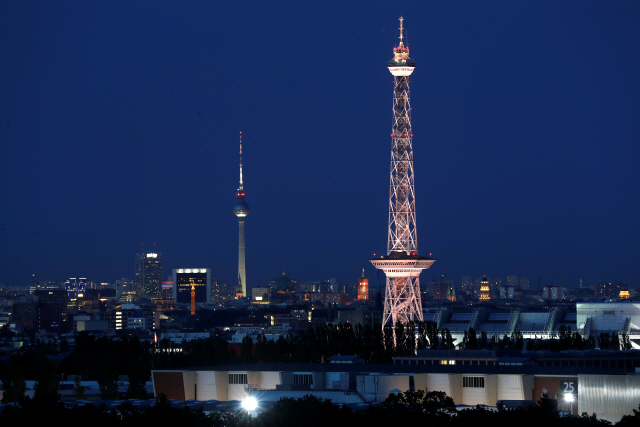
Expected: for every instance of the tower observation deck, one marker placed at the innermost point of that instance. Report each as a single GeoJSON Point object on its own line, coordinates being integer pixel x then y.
{"type": "Point", "coordinates": [402, 265]}
{"type": "Point", "coordinates": [241, 210]}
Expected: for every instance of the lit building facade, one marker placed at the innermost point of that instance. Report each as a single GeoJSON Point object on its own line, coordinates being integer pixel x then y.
{"type": "Point", "coordinates": [484, 289]}
{"type": "Point", "coordinates": [182, 280]}
{"type": "Point", "coordinates": [363, 288]}
{"type": "Point", "coordinates": [75, 288]}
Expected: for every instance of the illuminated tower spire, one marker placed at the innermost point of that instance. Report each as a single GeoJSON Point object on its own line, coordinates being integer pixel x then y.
{"type": "Point", "coordinates": [402, 265]}
{"type": "Point", "coordinates": [241, 209]}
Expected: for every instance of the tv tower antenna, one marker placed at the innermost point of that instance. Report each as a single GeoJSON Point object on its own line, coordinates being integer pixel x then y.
{"type": "Point", "coordinates": [241, 209]}
{"type": "Point", "coordinates": [402, 265]}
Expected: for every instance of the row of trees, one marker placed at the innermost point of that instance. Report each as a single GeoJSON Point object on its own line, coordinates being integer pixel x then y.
{"type": "Point", "coordinates": [104, 359]}
{"type": "Point", "coordinates": [411, 408]}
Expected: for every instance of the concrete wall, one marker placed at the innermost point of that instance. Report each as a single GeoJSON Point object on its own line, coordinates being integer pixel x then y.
{"type": "Point", "coordinates": [190, 382]}
{"type": "Point", "coordinates": [609, 396]}
{"type": "Point", "coordinates": [474, 395]}
{"type": "Point", "coordinates": [207, 385]}
{"type": "Point", "coordinates": [510, 387]}
{"type": "Point", "coordinates": [269, 380]}
{"type": "Point", "coordinates": [491, 389]}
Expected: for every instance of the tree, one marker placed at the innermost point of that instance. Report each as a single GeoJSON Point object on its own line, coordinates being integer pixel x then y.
{"type": "Point", "coordinates": [308, 411]}
{"type": "Point", "coordinates": [615, 342]}
{"type": "Point", "coordinates": [78, 388]}
{"type": "Point", "coordinates": [483, 340]}
{"type": "Point", "coordinates": [473, 340]}
{"type": "Point", "coordinates": [438, 404]}
{"type": "Point", "coordinates": [46, 387]}
{"type": "Point", "coordinates": [625, 342]}
{"type": "Point", "coordinates": [630, 420]}
{"type": "Point", "coordinates": [531, 345]}
{"type": "Point", "coordinates": [432, 335]}
{"type": "Point", "coordinates": [108, 384]}
{"type": "Point", "coordinates": [14, 383]}
{"type": "Point", "coordinates": [246, 350]}
{"type": "Point", "coordinates": [603, 341]}
{"type": "Point", "coordinates": [517, 340]}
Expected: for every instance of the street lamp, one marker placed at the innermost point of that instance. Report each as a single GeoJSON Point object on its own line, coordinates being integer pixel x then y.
{"type": "Point", "coordinates": [569, 398]}
{"type": "Point", "coordinates": [250, 404]}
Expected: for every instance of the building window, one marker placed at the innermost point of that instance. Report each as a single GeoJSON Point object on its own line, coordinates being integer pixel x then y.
{"type": "Point", "coordinates": [238, 379]}
{"type": "Point", "coordinates": [476, 382]}
{"type": "Point", "coordinates": [299, 379]}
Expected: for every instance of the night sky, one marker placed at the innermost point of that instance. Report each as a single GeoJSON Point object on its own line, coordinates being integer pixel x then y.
{"type": "Point", "coordinates": [119, 127]}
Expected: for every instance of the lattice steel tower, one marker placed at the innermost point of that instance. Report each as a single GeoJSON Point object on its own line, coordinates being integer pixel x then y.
{"type": "Point", "coordinates": [402, 265]}
{"type": "Point", "coordinates": [241, 209]}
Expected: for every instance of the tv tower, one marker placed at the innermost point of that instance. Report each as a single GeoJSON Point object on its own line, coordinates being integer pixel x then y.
{"type": "Point", "coordinates": [402, 265]}
{"type": "Point", "coordinates": [241, 209]}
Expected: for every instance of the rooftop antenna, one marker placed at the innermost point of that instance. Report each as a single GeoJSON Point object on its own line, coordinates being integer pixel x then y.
{"type": "Point", "coordinates": [401, 29]}
{"type": "Point", "coordinates": [241, 160]}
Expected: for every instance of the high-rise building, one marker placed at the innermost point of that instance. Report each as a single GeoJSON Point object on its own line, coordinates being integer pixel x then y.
{"type": "Point", "coordinates": [52, 309]}
{"type": "Point", "coordinates": [241, 209]}
{"type": "Point", "coordinates": [443, 289]}
{"type": "Point", "coordinates": [402, 265]}
{"type": "Point", "coordinates": [513, 280]}
{"type": "Point", "coordinates": [75, 288]}
{"type": "Point", "coordinates": [148, 275]}
{"type": "Point", "coordinates": [183, 278]}
{"type": "Point", "coordinates": [609, 289]}
{"type": "Point", "coordinates": [124, 285]}
{"type": "Point", "coordinates": [466, 284]}
{"type": "Point", "coordinates": [553, 292]}
{"type": "Point", "coordinates": [524, 283]}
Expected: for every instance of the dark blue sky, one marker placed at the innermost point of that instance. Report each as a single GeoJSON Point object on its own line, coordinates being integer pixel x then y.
{"type": "Point", "coordinates": [119, 125]}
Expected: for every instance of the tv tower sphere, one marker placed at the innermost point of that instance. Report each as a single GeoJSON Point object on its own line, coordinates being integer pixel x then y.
{"type": "Point", "coordinates": [241, 209]}
{"type": "Point", "coordinates": [402, 265]}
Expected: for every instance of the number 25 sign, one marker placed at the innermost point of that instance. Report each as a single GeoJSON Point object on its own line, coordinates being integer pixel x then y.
{"type": "Point", "coordinates": [569, 387]}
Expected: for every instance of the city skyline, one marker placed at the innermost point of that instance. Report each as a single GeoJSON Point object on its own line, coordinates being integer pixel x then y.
{"type": "Point", "coordinates": [121, 130]}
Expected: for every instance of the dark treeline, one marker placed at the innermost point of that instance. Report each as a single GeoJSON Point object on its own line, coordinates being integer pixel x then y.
{"type": "Point", "coordinates": [411, 408]}
{"type": "Point", "coordinates": [104, 359]}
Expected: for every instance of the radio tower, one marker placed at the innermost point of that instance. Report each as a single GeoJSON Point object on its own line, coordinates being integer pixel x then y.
{"type": "Point", "coordinates": [241, 209]}
{"type": "Point", "coordinates": [402, 265]}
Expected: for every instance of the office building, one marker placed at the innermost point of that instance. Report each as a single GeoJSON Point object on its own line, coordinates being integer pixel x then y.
{"type": "Point", "coordinates": [199, 277]}
{"type": "Point", "coordinates": [148, 275]}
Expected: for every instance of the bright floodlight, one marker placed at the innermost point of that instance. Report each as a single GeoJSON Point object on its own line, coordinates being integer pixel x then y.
{"type": "Point", "coordinates": [568, 397]}
{"type": "Point", "coordinates": [250, 403]}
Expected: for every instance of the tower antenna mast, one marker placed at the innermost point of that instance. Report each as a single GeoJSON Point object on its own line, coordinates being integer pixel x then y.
{"type": "Point", "coordinates": [402, 265]}
{"type": "Point", "coordinates": [241, 210]}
